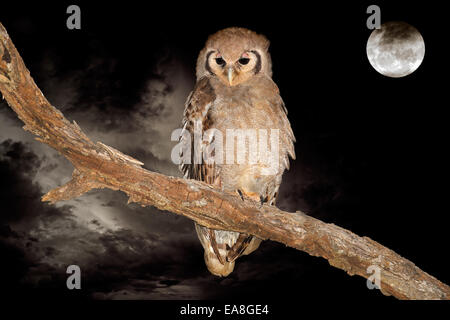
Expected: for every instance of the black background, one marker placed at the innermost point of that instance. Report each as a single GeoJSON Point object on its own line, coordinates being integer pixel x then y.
{"type": "Point", "coordinates": [375, 146]}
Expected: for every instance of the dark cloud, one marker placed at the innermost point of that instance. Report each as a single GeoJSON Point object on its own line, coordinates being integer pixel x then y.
{"type": "Point", "coordinates": [20, 195]}
{"type": "Point", "coordinates": [18, 158]}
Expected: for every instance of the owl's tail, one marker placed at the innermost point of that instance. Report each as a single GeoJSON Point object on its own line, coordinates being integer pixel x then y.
{"type": "Point", "coordinates": [222, 248]}
{"type": "Point", "coordinates": [216, 267]}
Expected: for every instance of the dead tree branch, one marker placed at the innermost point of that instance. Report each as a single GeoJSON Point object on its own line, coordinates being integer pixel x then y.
{"type": "Point", "coordinates": [100, 166]}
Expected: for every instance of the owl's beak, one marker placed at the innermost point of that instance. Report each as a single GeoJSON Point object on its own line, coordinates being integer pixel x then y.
{"type": "Point", "coordinates": [230, 75]}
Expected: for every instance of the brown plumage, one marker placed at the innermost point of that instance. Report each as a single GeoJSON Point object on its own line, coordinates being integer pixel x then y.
{"type": "Point", "coordinates": [234, 90]}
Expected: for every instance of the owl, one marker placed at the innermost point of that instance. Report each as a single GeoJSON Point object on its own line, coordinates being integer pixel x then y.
{"type": "Point", "coordinates": [234, 92]}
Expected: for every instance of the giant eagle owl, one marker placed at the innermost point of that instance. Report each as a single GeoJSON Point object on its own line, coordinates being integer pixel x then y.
{"type": "Point", "coordinates": [235, 93]}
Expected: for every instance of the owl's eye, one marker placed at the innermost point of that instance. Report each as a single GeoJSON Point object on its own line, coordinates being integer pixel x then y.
{"type": "Point", "coordinates": [220, 61]}
{"type": "Point", "coordinates": [244, 61]}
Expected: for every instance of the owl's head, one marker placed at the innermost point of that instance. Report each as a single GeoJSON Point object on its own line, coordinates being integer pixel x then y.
{"type": "Point", "coordinates": [234, 55]}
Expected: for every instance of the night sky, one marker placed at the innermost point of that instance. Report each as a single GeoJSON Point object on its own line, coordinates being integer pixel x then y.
{"type": "Point", "coordinates": [371, 150]}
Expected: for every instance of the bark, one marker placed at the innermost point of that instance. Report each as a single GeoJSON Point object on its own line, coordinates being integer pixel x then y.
{"type": "Point", "coordinates": [100, 166]}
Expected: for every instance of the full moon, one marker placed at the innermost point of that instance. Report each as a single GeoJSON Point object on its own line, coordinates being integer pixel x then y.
{"type": "Point", "coordinates": [396, 49]}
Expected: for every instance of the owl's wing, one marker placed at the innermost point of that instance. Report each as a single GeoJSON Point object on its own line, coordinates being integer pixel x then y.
{"type": "Point", "coordinates": [241, 245]}
{"type": "Point", "coordinates": [195, 119]}
{"type": "Point", "coordinates": [287, 137]}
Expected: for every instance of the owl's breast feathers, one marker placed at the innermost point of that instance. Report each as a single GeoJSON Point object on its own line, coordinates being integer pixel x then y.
{"type": "Point", "coordinates": [255, 105]}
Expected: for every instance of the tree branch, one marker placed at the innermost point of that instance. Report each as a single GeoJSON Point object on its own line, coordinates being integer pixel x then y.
{"type": "Point", "coordinates": [100, 166]}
